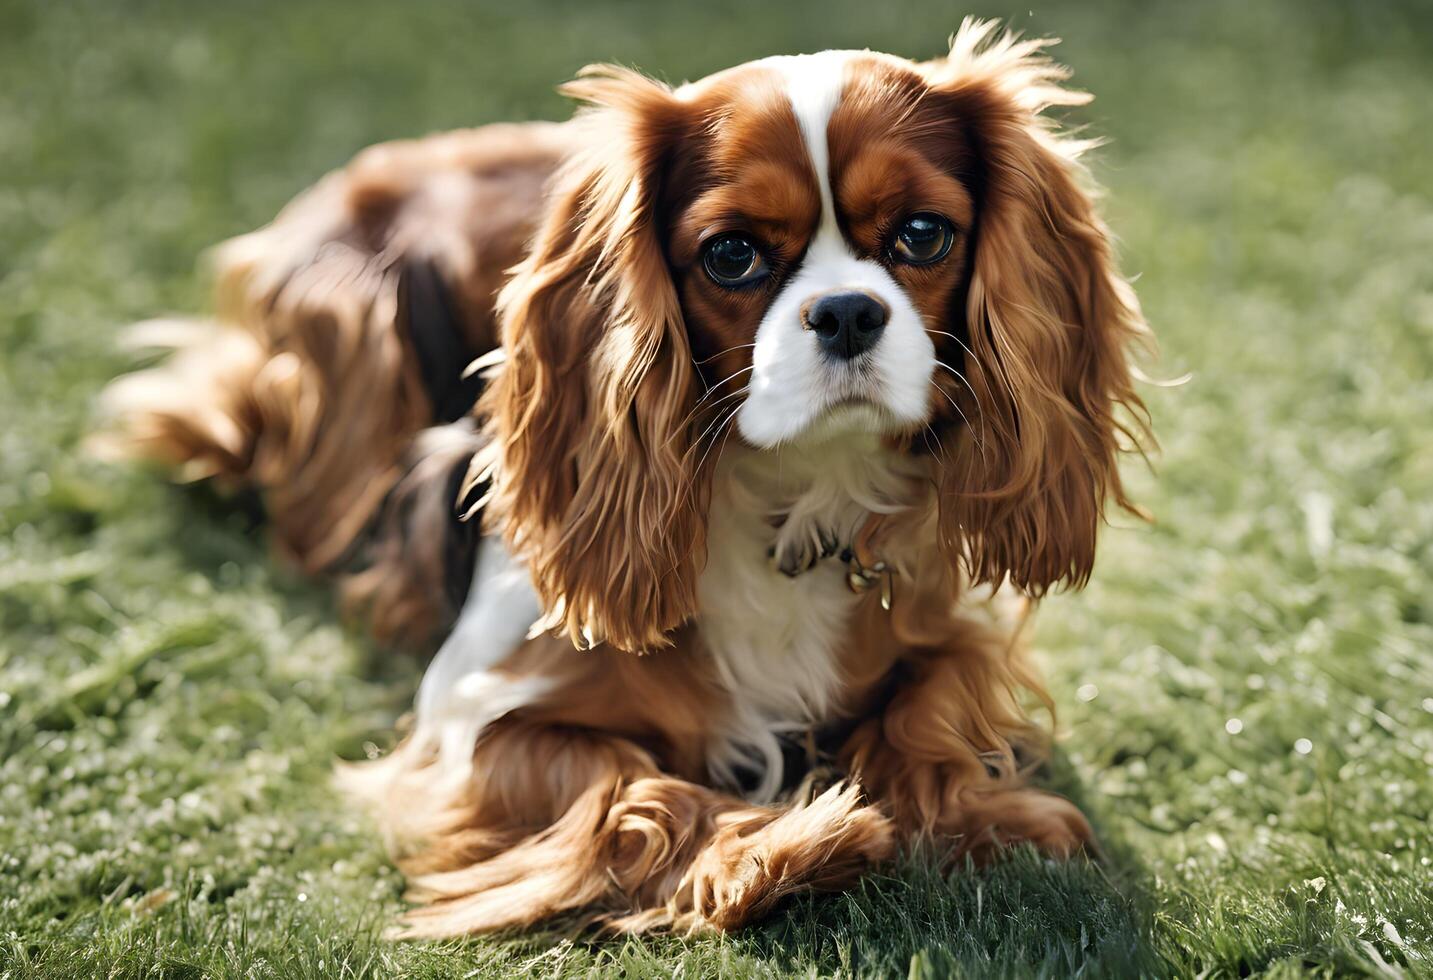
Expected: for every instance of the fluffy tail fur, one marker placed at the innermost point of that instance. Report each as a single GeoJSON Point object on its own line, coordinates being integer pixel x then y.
{"type": "Point", "coordinates": [301, 388]}
{"type": "Point", "coordinates": [343, 330]}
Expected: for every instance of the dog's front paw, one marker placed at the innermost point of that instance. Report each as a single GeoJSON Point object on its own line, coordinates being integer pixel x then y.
{"type": "Point", "coordinates": [750, 866]}
{"type": "Point", "coordinates": [1051, 823]}
{"type": "Point", "coordinates": [800, 544]}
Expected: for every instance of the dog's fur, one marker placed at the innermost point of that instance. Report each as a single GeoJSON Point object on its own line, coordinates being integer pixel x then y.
{"type": "Point", "coordinates": [666, 469]}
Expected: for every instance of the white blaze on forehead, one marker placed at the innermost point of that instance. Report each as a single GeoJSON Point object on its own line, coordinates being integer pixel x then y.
{"type": "Point", "coordinates": [813, 84]}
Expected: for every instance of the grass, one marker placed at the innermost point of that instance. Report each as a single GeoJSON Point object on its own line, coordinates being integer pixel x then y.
{"type": "Point", "coordinates": [1246, 689]}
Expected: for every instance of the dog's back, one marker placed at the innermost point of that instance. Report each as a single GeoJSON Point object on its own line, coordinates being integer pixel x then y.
{"type": "Point", "coordinates": [342, 331]}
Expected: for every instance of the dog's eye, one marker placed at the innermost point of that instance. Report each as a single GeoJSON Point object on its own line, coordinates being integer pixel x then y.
{"type": "Point", "coordinates": [733, 260]}
{"type": "Point", "coordinates": [922, 238]}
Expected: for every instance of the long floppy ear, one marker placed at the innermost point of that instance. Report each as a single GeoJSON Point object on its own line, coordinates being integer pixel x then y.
{"type": "Point", "coordinates": [1049, 322]}
{"type": "Point", "coordinates": [590, 415]}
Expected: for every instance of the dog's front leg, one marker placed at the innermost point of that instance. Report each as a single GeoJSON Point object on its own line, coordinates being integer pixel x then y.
{"type": "Point", "coordinates": [940, 757]}
{"type": "Point", "coordinates": [560, 820]}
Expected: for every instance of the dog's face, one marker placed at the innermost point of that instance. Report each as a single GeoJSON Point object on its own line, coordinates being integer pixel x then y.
{"type": "Point", "coordinates": [818, 236]}
{"type": "Point", "coordinates": [798, 248]}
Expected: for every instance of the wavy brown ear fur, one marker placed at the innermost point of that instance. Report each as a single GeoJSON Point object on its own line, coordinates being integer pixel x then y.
{"type": "Point", "coordinates": [589, 417]}
{"type": "Point", "coordinates": [1050, 322]}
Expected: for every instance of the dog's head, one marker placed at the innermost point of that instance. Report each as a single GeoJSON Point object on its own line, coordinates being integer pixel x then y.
{"type": "Point", "coordinates": [799, 248]}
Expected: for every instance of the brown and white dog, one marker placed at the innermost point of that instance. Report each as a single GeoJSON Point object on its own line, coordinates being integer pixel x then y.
{"type": "Point", "coordinates": [798, 365]}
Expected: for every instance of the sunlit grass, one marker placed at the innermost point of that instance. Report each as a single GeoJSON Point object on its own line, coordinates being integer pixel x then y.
{"type": "Point", "coordinates": [1246, 690]}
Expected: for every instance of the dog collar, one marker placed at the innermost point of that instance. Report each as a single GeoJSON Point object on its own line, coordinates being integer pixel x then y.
{"type": "Point", "coordinates": [864, 570]}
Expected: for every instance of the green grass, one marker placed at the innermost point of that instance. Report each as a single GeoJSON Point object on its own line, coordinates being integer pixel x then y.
{"type": "Point", "coordinates": [1246, 690]}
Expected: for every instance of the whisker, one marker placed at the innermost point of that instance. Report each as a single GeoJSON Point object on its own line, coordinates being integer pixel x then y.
{"type": "Point", "coordinates": [721, 352]}
{"type": "Point", "coordinates": [979, 436]}
{"type": "Point", "coordinates": [965, 347]}
{"type": "Point", "coordinates": [962, 377]}
{"type": "Point", "coordinates": [729, 430]}
{"type": "Point", "coordinates": [736, 408]}
{"type": "Point", "coordinates": [735, 374]}
{"type": "Point", "coordinates": [725, 423]}
{"type": "Point", "coordinates": [984, 373]}
{"type": "Point", "coordinates": [954, 337]}
{"type": "Point", "coordinates": [701, 402]}
{"type": "Point", "coordinates": [953, 404]}
{"type": "Point", "coordinates": [938, 450]}
{"type": "Point", "coordinates": [730, 394]}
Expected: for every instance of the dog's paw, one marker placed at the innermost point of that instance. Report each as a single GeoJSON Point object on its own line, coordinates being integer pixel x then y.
{"type": "Point", "coordinates": [1052, 824]}
{"type": "Point", "coordinates": [749, 867]}
{"type": "Point", "coordinates": [800, 544]}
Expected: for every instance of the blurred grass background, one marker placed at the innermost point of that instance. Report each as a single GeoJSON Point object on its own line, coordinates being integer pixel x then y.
{"type": "Point", "coordinates": [1246, 689]}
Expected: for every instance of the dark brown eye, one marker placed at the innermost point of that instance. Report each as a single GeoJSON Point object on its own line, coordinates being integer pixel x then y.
{"type": "Point", "coordinates": [733, 260]}
{"type": "Point", "coordinates": [923, 238]}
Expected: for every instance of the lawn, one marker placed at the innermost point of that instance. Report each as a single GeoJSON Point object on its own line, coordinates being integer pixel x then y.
{"type": "Point", "coordinates": [1245, 690]}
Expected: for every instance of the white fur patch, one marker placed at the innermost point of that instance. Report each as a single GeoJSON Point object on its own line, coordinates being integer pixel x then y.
{"type": "Point", "coordinates": [460, 694]}
{"type": "Point", "coordinates": [813, 84]}
{"type": "Point", "coordinates": [792, 383]}
{"type": "Point", "coordinates": [775, 640]}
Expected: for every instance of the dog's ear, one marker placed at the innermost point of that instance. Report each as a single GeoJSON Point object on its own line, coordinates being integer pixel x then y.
{"type": "Point", "coordinates": [1049, 322]}
{"type": "Point", "coordinates": [590, 415]}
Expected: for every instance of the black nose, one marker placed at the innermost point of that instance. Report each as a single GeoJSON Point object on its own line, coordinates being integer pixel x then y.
{"type": "Point", "coordinates": [846, 323]}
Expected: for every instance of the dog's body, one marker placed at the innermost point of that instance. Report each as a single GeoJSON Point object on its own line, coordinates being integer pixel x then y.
{"type": "Point", "coordinates": [691, 591]}
{"type": "Point", "coordinates": [343, 331]}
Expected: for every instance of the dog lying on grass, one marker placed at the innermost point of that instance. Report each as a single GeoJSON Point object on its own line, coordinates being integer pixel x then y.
{"type": "Point", "coordinates": [768, 400]}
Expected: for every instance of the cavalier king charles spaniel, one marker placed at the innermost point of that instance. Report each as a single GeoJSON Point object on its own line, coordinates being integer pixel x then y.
{"type": "Point", "coordinates": [770, 401]}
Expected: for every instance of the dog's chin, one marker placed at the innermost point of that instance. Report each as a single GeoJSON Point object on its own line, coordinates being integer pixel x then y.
{"type": "Point", "coordinates": [847, 418]}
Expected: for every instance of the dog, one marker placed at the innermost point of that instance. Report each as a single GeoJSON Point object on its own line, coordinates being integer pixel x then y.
{"type": "Point", "coordinates": [771, 401]}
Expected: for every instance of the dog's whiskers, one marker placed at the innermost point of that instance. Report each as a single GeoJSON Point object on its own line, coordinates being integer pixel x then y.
{"type": "Point", "coordinates": [926, 434]}
{"type": "Point", "coordinates": [719, 353]}
{"type": "Point", "coordinates": [723, 418]}
{"type": "Point", "coordinates": [735, 374]}
{"type": "Point", "coordinates": [724, 423]}
{"type": "Point", "coordinates": [1009, 388]}
{"type": "Point", "coordinates": [973, 356]}
{"type": "Point", "coordinates": [977, 433]}
{"type": "Point", "coordinates": [702, 401]}
{"type": "Point", "coordinates": [730, 394]}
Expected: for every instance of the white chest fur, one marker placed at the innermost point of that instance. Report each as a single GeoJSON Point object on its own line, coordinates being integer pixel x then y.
{"type": "Point", "coordinates": [775, 639]}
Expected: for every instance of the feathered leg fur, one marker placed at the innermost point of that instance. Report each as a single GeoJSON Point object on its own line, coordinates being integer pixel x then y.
{"type": "Point", "coordinates": [940, 758]}
{"type": "Point", "coordinates": [588, 822]}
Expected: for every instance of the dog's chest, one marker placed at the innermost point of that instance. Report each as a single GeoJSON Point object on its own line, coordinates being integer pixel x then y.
{"type": "Point", "coordinates": [775, 638]}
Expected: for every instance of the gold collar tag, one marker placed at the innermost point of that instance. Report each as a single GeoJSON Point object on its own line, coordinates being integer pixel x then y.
{"type": "Point", "coordinates": [864, 569]}
{"type": "Point", "coordinates": [860, 578]}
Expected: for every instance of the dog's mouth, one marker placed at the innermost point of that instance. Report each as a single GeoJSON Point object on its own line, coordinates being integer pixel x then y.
{"type": "Point", "coordinates": [846, 402]}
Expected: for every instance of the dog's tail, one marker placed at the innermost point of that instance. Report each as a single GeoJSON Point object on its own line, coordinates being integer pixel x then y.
{"type": "Point", "coordinates": [201, 412]}
{"type": "Point", "coordinates": [342, 329]}
{"type": "Point", "coordinates": [308, 386]}
{"type": "Point", "coordinates": [347, 488]}
{"type": "Point", "coordinates": [319, 402]}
